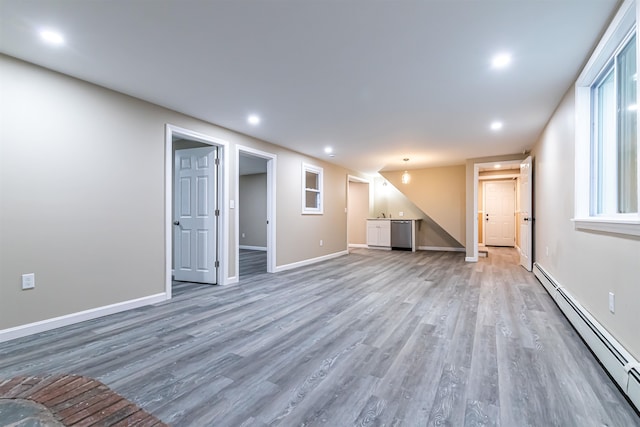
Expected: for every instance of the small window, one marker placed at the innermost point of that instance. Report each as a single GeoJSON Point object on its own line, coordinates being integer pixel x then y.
{"type": "Point", "coordinates": [311, 189]}
{"type": "Point", "coordinates": [606, 145]}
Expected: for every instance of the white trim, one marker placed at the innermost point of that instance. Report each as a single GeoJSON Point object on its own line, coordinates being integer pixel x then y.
{"type": "Point", "coordinates": [441, 248]}
{"type": "Point", "coordinates": [253, 248]}
{"type": "Point", "coordinates": [358, 245]}
{"type": "Point", "coordinates": [617, 31]}
{"type": "Point", "coordinates": [476, 175]}
{"type": "Point", "coordinates": [272, 160]}
{"type": "Point", "coordinates": [70, 319]}
{"type": "Point", "coordinates": [629, 227]}
{"type": "Point", "coordinates": [223, 243]}
{"type": "Point", "coordinates": [621, 26]}
{"type": "Point", "coordinates": [354, 178]}
{"type": "Point", "coordinates": [609, 351]}
{"type": "Point", "coordinates": [310, 261]}
{"type": "Point", "coordinates": [502, 177]}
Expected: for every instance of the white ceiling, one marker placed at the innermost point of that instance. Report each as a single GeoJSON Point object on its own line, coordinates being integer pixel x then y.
{"type": "Point", "coordinates": [377, 80]}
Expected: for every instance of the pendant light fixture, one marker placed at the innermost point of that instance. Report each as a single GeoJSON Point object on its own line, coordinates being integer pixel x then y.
{"type": "Point", "coordinates": [405, 176]}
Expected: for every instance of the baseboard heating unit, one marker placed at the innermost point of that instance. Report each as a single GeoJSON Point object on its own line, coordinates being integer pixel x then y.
{"type": "Point", "coordinates": [623, 368]}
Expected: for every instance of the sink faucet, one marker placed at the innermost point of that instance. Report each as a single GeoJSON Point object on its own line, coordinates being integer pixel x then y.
{"type": "Point", "coordinates": [383, 216]}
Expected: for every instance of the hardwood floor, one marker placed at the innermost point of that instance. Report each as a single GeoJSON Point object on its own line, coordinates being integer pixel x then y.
{"type": "Point", "coordinates": [252, 262]}
{"type": "Point", "coordinates": [380, 338]}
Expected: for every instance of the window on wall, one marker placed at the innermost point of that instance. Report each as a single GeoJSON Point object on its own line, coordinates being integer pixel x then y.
{"type": "Point", "coordinates": [614, 137]}
{"type": "Point", "coordinates": [607, 189]}
{"type": "Point", "coordinates": [312, 196]}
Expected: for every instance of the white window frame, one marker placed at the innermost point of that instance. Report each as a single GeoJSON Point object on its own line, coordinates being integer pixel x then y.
{"type": "Point", "coordinates": [627, 224]}
{"type": "Point", "coordinates": [306, 167]}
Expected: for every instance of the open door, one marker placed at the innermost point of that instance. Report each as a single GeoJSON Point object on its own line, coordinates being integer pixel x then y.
{"type": "Point", "coordinates": [195, 215]}
{"type": "Point", "coordinates": [526, 214]}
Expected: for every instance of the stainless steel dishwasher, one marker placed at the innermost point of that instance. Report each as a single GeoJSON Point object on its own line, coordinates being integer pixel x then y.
{"type": "Point", "coordinates": [400, 234]}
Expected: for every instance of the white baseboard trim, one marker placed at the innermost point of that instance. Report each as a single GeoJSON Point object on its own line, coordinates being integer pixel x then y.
{"type": "Point", "coordinates": [471, 259]}
{"type": "Point", "coordinates": [623, 368]}
{"type": "Point", "coordinates": [253, 248]}
{"type": "Point", "coordinates": [230, 281]}
{"type": "Point", "coordinates": [310, 261]}
{"type": "Point", "coordinates": [81, 316]}
{"type": "Point", "coordinates": [358, 245]}
{"type": "Point", "coordinates": [441, 248]}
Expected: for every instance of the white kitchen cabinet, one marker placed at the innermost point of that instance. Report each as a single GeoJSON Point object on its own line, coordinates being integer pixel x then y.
{"type": "Point", "coordinates": [379, 233]}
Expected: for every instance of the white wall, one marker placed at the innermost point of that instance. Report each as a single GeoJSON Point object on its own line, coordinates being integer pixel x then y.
{"type": "Point", "coordinates": [589, 265]}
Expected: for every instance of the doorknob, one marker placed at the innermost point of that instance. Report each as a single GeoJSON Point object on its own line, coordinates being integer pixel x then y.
{"type": "Point", "coordinates": [176, 222]}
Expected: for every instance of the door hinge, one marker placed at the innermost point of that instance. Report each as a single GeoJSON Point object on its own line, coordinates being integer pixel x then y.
{"type": "Point", "coordinates": [217, 162]}
{"type": "Point", "coordinates": [216, 264]}
{"type": "Point", "coordinates": [217, 212]}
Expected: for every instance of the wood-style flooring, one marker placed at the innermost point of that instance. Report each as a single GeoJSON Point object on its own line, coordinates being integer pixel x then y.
{"type": "Point", "coordinates": [252, 262]}
{"type": "Point", "coordinates": [374, 338]}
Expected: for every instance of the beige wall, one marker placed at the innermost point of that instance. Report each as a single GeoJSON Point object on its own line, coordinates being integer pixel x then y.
{"type": "Point", "coordinates": [439, 193]}
{"type": "Point", "coordinates": [82, 195]}
{"type": "Point", "coordinates": [252, 210]}
{"type": "Point", "coordinates": [358, 212]}
{"type": "Point", "coordinates": [588, 264]}
{"type": "Point", "coordinates": [392, 201]}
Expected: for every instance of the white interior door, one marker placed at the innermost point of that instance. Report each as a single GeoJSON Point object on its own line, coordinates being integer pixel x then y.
{"type": "Point", "coordinates": [195, 215]}
{"type": "Point", "coordinates": [526, 216]}
{"type": "Point", "coordinates": [499, 213]}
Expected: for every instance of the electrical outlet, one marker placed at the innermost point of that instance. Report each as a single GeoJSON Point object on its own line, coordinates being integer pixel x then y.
{"type": "Point", "coordinates": [612, 302]}
{"type": "Point", "coordinates": [321, 242]}
{"type": "Point", "coordinates": [243, 235]}
{"type": "Point", "coordinates": [401, 213]}
{"type": "Point", "coordinates": [28, 281]}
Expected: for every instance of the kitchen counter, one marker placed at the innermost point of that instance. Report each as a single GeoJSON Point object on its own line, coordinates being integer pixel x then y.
{"type": "Point", "coordinates": [379, 232]}
{"type": "Point", "coordinates": [400, 218]}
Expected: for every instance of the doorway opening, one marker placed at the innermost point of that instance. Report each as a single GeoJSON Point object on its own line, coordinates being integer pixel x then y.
{"type": "Point", "coordinates": [358, 210]}
{"type": "Point", "coordinates": [517, 171]}
{"type": "Point", "coordinates": [255, 212]}
{"type": "Point", "coordinates": [195, 215]}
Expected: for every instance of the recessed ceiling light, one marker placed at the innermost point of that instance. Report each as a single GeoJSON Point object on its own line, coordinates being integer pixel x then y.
{"type": "Point", "coordinates": [253, 119]}
{"type": "Point", "coordinates": [501, 60]}
{"type": "Point", "coordinates": [496, 125]}
{"type": "Point", "coordinates": [328, 150]}
{"type": "Point", "coordinates": [497, 166]}
{"type": "Point", "coordinates": [52, 37]}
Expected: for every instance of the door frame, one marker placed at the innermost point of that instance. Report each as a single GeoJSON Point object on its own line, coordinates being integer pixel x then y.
{"type": "Point", "coordinates": [271, 206]}
{"type": "Point", "coordinates": [172, 131]}
{"type": "Point", "coordinates": [476, 179]}
{"type": "Point", "coordinates": [352, 178]}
